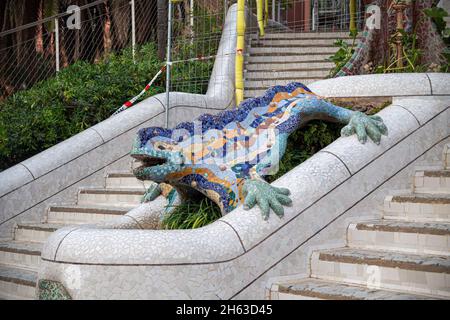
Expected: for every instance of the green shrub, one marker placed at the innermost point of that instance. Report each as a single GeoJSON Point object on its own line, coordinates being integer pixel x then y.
{"type": "Point", "coordinates": [304, 143]}
{"type": "Point", "coordinates": [80, 96]}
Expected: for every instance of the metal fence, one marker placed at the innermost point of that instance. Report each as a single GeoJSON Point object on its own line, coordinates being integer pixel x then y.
{"type": "Point", "coordinates": [38, 50]}
{"type": "Point", "coordinates": [311, 15]}
{"type": "Point", "coordinates": [195, 37]}
{"type": "Point", "coordinates": [197, 29]}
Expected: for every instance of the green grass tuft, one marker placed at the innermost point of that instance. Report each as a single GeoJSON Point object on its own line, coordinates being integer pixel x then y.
{"type": "Point", "coordinates": [192, 214]}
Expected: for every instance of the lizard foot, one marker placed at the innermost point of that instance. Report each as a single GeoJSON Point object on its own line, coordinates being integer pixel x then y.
{"type": "Point", "coordinates": [152, 193]}
{"type": "Point", "coordinates": [266, 196]}
{"type": "Point", "coordinates": [364, 125]}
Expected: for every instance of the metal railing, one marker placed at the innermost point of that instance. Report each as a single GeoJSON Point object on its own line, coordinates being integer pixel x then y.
{"type": "Point", "coordinates": [311, 15]}
{"type": "Point", "coordinates": [294, 16]}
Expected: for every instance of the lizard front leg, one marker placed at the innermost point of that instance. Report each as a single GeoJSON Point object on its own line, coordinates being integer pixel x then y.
{"type": "Point", "coordinates": [158, 201]}
{"type": "Point", "coordinates": [167, 191]}
{"type": "Point", "coordinates": [365, 126]}
{"type": "Point", "coordinates": [258, 191]}
{"type": "Point", "coordinates": [356, 122]}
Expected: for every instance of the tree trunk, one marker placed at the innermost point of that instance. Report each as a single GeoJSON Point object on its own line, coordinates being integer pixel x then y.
{"type": "Point", "coordinates": [146, 21]}
{"type": "Point", "coordinates": [107, 30]}
{"type": "Point", "coordinates": [162, 28]}
{"type": "Point", "coordinates": [18, 18]}
{"type": "Point", "coordinates": [39, 31]}
{"type": "Point", "coordinates": [121, 19]}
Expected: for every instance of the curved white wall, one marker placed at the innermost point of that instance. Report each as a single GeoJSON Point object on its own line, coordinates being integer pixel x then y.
{"type": "Point", "coordinates": [237, 255]}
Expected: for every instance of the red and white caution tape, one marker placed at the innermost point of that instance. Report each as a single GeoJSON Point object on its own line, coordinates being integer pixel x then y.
{"type": "Point", "coordinates": [129, 103]}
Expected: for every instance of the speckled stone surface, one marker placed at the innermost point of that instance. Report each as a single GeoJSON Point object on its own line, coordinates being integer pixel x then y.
{"type": "Point", "coordinates": [90, 209]}
{"type": "Point", "coordinates": [144, 247]}
{"type": "Point", "coordinates": [405, 226]}
{"type": "Point", "coordinates": [428, 263]}
{"type": "Point", "coordinates": [337, 291]}
{"type": "Point", "coordinates": [440, 83]}
{"type": "Point", "coordinates": [381, 85]}
{"type": "Point", "coordinates": [356, 156]}
{"type": "Point", "coordinates": [437, 173]}
{"type": "Point", "coordinates": [49, 227]}
{"type": "Point", "coordinates": [18, 276]}
{"type": "Point", "coordinates": [423, 198]}
{"type": "Point", "coordinates": [422, 108]}
{"type": "Point", "coordinates": [17, 176]}
{"type": "Point", "coordinates": [219, 280]}
{"type": "Point", "coordinates": [266, 249]}
{"type": "Point", "coordinates": [21, 247]}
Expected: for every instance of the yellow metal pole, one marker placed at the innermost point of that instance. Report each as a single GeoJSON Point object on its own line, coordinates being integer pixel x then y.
{"type": "Point", "coordinates": [240, 45]}
{"type": "Point", "coordinates": [260, 16]}
{"type": "Point", "coordinates": [266, 13]}
{"type": "Point", "coordinates": [353, 29]}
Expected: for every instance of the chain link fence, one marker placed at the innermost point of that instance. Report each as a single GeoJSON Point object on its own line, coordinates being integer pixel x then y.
{"type": "Point", "coordinates": [197, 29]}
{"type": "Point", "coordinates": [196, 33]}
{"type": "Point", "coordinates": [37, 51]}
{"type": "Point", "coordinates": [311, 15]}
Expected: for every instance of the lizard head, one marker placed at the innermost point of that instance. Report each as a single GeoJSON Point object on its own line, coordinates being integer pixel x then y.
{"type": "Point", "coordinates": [158, 153]}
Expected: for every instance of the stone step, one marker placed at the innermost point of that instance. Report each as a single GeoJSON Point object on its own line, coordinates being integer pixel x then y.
{"type": "Point", "coordinates": [432, 181]}
{"type": "Point", "coordinates": [125, 179]}
{"type": "Point", "coordinates": [401, 236]}
{"type": "Point", "coordinates": [314, 289]}
{"type": "Point", "coordinates": [25, 255]}
{"type": "Point", "coordinates": [446, 156]}
{"type": "Point", "coordinates": [288, 66]}
{"type": "Point", "coordinates": [35, 232]}
{"type": "Point", "coordinates": [258, 92]}
{"type": "Point", "coordinates": [71, 214]}
{"type": "Point", "coordinates": [303, 35]}
{"type": "Point", "coordinates": [17, 283]}
{"type": "Point", "coordinates": [306, 42]}
{"type": "Point", "coordinates": [281, 75]}
{"type": "Point", "coordinates": [418, 274]}
{"type": "Point", "coordinates": [276, 59]}
{"type": "Point", "coordinates": [110, 197]}
{"type": "Point", "coordinates": [295, 51]}
{"type": "Point", "coordinates": [258, 88]}
{"type": "Point", "coordinates": [418, 207]}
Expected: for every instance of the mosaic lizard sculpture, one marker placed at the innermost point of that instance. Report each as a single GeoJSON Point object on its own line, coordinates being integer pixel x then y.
{"type": "Point", "coordinates": [226, 156]}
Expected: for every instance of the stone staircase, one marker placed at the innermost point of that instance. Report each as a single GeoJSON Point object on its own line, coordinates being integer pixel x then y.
{"type": "Point", "coordinates": [281, 58]}
{"type": "Point", "coordinates": [405, 255]}
{"type": "Point", "coordinates": [20, 257]}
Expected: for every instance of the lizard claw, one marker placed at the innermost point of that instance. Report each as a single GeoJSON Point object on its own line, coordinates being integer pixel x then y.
{"type": "Point", "coordinates": [365, 126]}
{"type": "Point", "coordinates": [152, 193]}
{"type": "Point", "coordinates": [266, 196]}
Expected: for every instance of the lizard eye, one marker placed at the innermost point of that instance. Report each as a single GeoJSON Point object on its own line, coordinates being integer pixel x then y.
{"type": "Point", "coordinates": [161, 147]}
